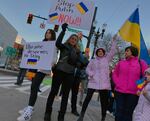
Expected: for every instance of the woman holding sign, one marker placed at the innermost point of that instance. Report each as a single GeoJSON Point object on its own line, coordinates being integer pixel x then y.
{"type": "Point", "coordinates": [26, 113]}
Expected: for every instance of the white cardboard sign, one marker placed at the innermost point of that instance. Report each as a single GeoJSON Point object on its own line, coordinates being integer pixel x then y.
{"type": "Point", "coordinates": [38, 55]}
{"type": "Point", "coordinates": [76, 13]}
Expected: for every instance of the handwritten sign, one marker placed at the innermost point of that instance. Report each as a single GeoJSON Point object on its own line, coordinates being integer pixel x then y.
{"type": "Point", "coordinates": [38, 55]}
{"type": "Point", "coordinates": [77, 13]}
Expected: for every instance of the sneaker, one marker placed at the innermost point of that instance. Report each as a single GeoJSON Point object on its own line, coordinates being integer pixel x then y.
{"type": "Point", "coordinates": [22, 111]}
{"type": "Point", "coordinates": [103, 119]}
{"type": "Point", "coordinates": [75, 113]}
{"type": "Point", "coordinates": [26, 116]}
{"type": "Point", "coordinates": [110, 114]}
{"type": "Point", "coordinates": [39, 90]}
{"type": "Point", "coordinates": [18, 84]}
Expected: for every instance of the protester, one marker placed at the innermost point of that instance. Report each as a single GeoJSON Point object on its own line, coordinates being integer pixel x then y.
{"type": "Point", "coordinates": [98, 75]}
{"type": "Point", "coordinates": [63, 73]}
{"type": "Point", "coordinates": [21, 74]}
{"type": "Point", "coordinates": [83, 82]}
{"type": "Point", "coordinates": [20, 77]}
{"type": "Point", "coordinates": [78, 76]}
{"type": "Point", "coordinates": [111, 107]}
{"type": "Point", "coordinates": [143, 107]}
{"type": "Point", "coordinates": [125, 74]}
{"type": "Point", "coordinates": [26, 113]}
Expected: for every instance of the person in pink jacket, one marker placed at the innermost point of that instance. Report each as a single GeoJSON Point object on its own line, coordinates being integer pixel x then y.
{"type": "Point", "coordinates": [125, 75]}
{"type": "Point", "coordinates": [98, 75]}
{"type": "Point", "coordinates": [143, 107]}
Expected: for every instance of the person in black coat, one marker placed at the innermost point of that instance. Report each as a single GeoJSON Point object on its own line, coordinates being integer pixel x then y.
{"type": "Point", "coordinates": [64, 73]}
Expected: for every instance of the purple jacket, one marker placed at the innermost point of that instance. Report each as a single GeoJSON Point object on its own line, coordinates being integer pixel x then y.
{"type": "Point", "coordinates": [126, 73]}
{"type": "Point", "coordinates": [98, 71]}
{"type": "Point", "coordinates": [142, 110]}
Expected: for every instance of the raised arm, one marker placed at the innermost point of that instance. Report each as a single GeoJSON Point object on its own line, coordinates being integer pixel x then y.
{"type": "Point", "coordinates": [59, 44]}
{"type": "Point", "coordinates": [89, 69]}
{"type": "Point", "coordinates": [113, 49]}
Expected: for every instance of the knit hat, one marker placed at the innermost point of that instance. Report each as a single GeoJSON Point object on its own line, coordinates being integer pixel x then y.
{"type": "Point", "coordinates": [147, 70]}
{"type": "Point", "coordinates": [100, 49]}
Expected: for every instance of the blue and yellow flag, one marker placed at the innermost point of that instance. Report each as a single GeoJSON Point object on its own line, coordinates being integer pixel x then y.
{"type": "Point", "coordinates": [32, 61]}
{"type": "Point", "coordinates": [143, 50]}
{"type": "Point", "coordinates": [82, 8]}
{"type": "Point", "coordinates": [53, 16]}
{"type": "Point", "coordinates": [131, 32]}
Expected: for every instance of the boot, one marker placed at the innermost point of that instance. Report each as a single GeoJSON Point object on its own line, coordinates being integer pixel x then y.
{"type": "Point", "coordinates": [81, 117]}
{"type": "Point", "coordinates": [60, 116]}
{"type": "Point", "coordinates": [103, 118]}
{"type": "Point", "coordinates": [47, 116]}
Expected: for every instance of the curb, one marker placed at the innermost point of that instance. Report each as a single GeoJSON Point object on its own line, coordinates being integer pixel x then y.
{"type": "Point", "coordinates": [14, 73]}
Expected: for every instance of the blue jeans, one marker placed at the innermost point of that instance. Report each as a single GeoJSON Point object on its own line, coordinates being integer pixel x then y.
{"type": "Point", "coordinates": [125, 105]}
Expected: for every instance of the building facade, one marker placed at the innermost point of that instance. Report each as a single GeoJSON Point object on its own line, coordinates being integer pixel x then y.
{"type": "Point", "coordinates": [7, 37]}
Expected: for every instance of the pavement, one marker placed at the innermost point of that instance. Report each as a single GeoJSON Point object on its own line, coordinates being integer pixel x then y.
{"type": "Point", "coordinates": [12, 99]}
{"type": "Point", "coordinates": [9, 72]}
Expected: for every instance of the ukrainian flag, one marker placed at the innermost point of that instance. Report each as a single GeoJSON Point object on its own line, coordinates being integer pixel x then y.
{"type": "Point", "coordinates": [143, 50]}
{"type": "Point", "coordinates": [82, 8]}
{"type": "Point", "coordinates": [53, 16]}
{"type": "Point", "coordinates": [131, 32]}
{"type": "Point", "coordinates": [32, 61]}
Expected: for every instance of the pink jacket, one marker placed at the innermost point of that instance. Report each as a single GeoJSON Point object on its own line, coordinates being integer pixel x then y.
{"type": "Point", "coordinates": [126, 73]}
{"type": "Point", "coordinates": [98, 71]}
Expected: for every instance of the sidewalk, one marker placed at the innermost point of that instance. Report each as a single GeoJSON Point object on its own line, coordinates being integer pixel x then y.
{"type": "Point", "coordinates": [12, 101]}
{"type": "Point", "coordinates": [10, 72]}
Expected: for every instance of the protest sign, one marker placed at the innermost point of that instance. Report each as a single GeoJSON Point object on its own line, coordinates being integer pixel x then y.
{"type": "Point", "coordinates": [76, 13]}
{"type": "Point", "coordinates": [38, 55]}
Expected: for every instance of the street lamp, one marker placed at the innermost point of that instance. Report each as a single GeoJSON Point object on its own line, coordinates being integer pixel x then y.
{"type": "Point", "coordinates": [92, 29]}
{"type": "Point", "coordinates": [97, 35]}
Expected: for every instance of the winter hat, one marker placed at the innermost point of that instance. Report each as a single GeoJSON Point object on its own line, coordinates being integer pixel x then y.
{"type": "Point", "coordinates": [147, 70]}
{"type": "Point", "coordinates": [100, 49]}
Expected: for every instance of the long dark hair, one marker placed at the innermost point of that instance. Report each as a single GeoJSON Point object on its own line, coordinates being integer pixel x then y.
{"type": "Point", "coordinates": [133, 50]}
{"type": "Point", "coordinates": [53, 35]}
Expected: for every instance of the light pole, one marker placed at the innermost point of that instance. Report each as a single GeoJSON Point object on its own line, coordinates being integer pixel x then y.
{"type": "Point", "coordinates": [92, 29]}
{"type": "Point", "coordinates": [97, 35]}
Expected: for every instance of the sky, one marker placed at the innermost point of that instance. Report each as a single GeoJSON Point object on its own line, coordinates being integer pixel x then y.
{"type": "Point", "coordinates": [112, 12]}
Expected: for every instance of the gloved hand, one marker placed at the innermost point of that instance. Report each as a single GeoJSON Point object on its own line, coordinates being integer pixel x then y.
{"type": "Point", "coordinates": [64, 27]}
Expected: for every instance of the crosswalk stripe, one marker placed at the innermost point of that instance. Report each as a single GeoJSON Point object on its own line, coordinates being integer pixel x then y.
{"type": "Point", "coordinates": [7, 85]}
{"type": "Point", "coordinates": [43, 89]}
{"type": "Point", "coordinates": [8, 82]}
{"type": "Point", "coordinates": [13, 85]}
{"type": "Point", "coordinates": [11, 81]}
{"type": "Point", "coordinates": [9, 77]}
{"type": "Point", "coordinates": [23, 88]}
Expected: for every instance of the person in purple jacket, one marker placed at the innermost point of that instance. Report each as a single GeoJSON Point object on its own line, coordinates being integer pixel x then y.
{"type": "Point", "coordinates": [99, 79]}
{"type": "Point", "coordinates": [125, 75]}
{"type": "Point", "coordinates": [143, 107]}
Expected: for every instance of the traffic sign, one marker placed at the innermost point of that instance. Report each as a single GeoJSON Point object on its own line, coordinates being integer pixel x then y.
{"type": "Point", "coordinates": [10, 51]}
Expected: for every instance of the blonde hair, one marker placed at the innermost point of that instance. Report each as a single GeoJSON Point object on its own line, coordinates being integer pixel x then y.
{"type": "Point", "coordinates": [76, 46]}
